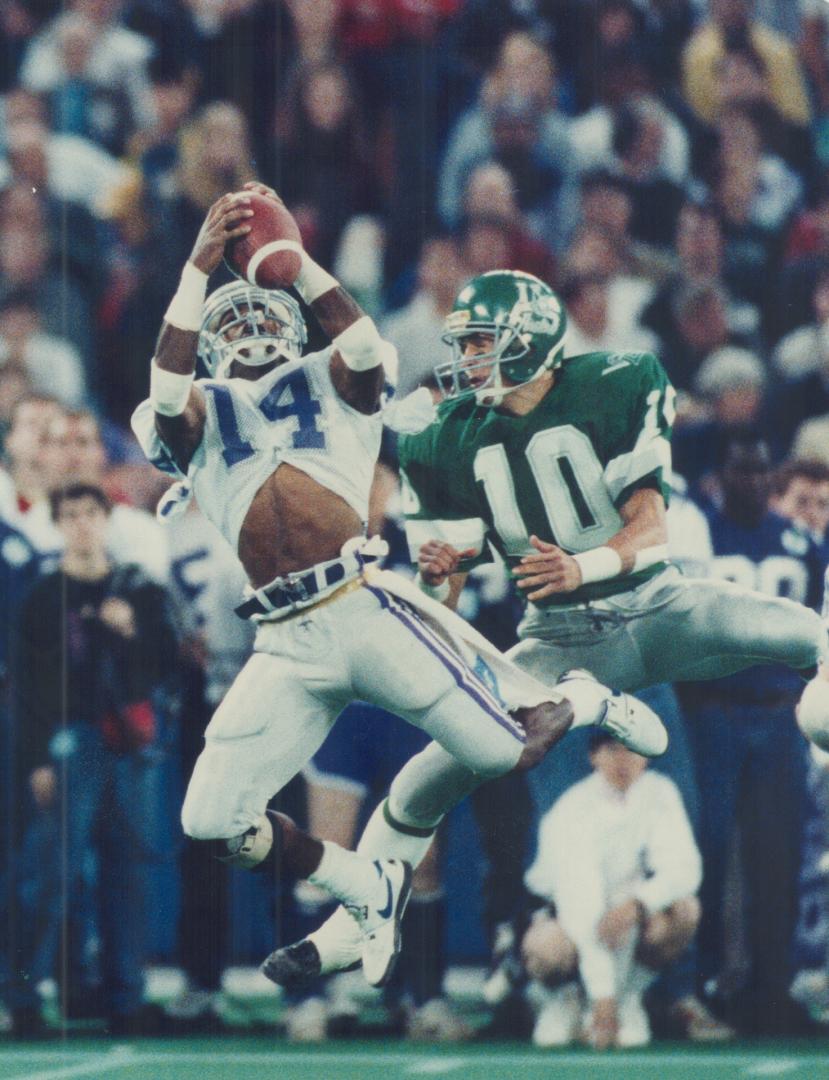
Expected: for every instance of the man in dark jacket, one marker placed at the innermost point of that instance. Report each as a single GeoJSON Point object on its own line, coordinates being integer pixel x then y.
{"type": "Point", "coordinates": [96, 645]}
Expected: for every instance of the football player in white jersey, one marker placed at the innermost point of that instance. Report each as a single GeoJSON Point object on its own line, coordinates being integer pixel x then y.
{"type": "Point", "coordinates": [279, 450]}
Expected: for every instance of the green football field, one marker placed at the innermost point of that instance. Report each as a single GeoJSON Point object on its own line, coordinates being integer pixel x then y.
{"type": "Point", "coordinates": [262, 1059]}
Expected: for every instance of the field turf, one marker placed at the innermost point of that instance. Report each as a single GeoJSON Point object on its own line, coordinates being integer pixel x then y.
{"type": "Point", "coordinates": [257, 1058]}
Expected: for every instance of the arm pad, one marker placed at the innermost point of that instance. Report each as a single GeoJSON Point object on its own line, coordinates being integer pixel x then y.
{"type": "Point", "coordinates": [169, 390]}
{"type": "Point", "coordinates": [361, 346]}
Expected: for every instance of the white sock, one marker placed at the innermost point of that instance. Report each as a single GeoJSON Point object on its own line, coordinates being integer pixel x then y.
{"type": "Point", "coordinates": [345, 874]}
{"type": "Point", "coordinates": [380, 839]}
{"type": "Point", "coordinates": [588, 699]}
{"type": "Point", "coordinates": [338, 941]}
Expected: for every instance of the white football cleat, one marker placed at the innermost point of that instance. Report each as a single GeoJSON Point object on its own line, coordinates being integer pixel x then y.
{"type": "Point", "coordinates": [634, 1025]}
{"type": "Point", "coordinates": [559, 1015]}
{"type": "Point", "coordinates": [380, 922]}
{"type": "Point", "coordinates": [627, 719]}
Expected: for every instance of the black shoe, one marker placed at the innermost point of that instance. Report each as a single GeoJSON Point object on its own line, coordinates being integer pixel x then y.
{"type": "Point", "coordinates": [28, 1023]}
{"type": "Point", "coordinates": [295, 966]}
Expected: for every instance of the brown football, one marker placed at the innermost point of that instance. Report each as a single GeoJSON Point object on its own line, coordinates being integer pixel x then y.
{"type": "Point", "coordinates": [268, 255]}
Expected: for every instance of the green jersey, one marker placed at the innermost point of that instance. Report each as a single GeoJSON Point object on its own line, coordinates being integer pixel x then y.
{"type": "Point", "coordinates": [484, 479]}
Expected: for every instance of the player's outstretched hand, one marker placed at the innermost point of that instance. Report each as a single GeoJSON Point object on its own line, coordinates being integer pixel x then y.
{"type": "Point", "coordinates": [436, 561]}
{"type": "Point", "coordinates": [615, 925]}
{"type": "Point", "coordinates": [547, 570]}
{"type": "Point", "coordinates": [225, 221]}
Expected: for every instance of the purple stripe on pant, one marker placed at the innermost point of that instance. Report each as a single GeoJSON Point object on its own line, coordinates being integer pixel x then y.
{"type": "Point", "coordinates": [463, 675]}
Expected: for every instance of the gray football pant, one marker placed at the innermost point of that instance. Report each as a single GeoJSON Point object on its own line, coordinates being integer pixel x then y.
{"type": "Point", "coordinates": [670, 629]}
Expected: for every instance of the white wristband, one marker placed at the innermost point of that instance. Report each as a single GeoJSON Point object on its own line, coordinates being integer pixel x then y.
{"type": "Point", "coordinates": [185, 310]}
{"type": "Point", "coordinates": [169, 390]}
{"type": "Point", "coordinates": [361, 346]}
{"type": "Point", "coordinates": [598, 564]}
{"type": "Point", "coordinates": [436, 592]}
{"type": "Point", "coordinates": [312, 281]}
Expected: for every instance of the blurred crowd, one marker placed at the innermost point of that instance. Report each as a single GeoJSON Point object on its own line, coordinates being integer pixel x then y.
{"type": "Point", "coordinates": [664, 165]}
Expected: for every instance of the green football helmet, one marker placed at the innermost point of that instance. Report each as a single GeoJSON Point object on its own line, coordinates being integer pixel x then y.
{"type": "Point", "coordinates": [527, 322]}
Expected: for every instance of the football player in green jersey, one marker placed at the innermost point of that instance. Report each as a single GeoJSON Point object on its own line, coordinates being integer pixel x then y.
{"type": "Point", "coordinates": [562, 465]}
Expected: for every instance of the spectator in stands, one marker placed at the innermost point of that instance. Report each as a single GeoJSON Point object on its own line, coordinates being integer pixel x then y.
{"type": "Point", "coordinates": [731, 22]}
{"type": "Point", "coordinates": [50, 363]}
{"type": "Point", "coordinates": [79, 104]}
{"type": "Point", "coordinates": [19, 569]}
{"type": "Point", "coordinates": [728, 396]}
{"type": "Point", "coordinates": [700, 262]}
{"type": "Point", "coordinates": [68, 166]}
{"type": "Point", "coordinates": [612, 925]}
{"type": "Point", "coordinates": [805, 397]}
{"type": "Point", "coordinates": [700, 324]}
{"type": "Point", "coordinates": [323, 165]}
{"type": "Point", "coordinates": [490, 195]}
{"type": "Point", "coordinates": [805, 350]}
{"type": "Point", "coordinates": [607, 206]}
{"type": "Point", "coordinates": [24, 483]}
{"type": "Point", "coordinates": [417, 328]}
{"type": "Point", "coordinates": [637, 140]}
{"type": "Point", "coordinates": [625, 81]}
{"type": "Point", "coordinates": [592, 323]}
{"type": "Point", "coordinates": [74, 452]}
{"type": "Point", "coordinates": [516, 122]}
{"type": "Point", "coordinates": [28, 263]}
{"type": "Point", "coordinates": [776, 190]}
{"type": "Point", "coordinates": [800, 492]}
{"type": "Point", "coordinates": [242, 49]}
{"type": "Point", "coordinates": [751, 761]}
{"type": "Point", "coordinates": [89, 37]}
{"type": "Point", "coordinates": [96, 644]}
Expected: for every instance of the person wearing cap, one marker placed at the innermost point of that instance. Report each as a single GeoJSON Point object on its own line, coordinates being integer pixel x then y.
{"type": "Point", "coordinates": [729, 388]}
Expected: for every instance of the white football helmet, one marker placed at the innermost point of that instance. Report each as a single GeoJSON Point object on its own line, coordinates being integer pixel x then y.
{"type": "Point", "coordinates": [252, 325]}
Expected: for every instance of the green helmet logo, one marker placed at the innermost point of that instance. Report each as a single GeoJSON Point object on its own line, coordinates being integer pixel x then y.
{"type": "Point", "coordinates": [526, 322]}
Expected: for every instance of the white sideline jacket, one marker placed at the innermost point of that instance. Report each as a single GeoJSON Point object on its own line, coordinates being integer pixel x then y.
{"type": "Point", "coordinates": [598, 847]}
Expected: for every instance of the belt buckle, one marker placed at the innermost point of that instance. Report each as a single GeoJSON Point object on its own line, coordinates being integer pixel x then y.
{"type": "Point", "coordinates": [294, 585]}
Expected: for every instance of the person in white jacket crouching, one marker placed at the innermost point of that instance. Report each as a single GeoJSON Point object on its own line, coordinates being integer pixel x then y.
{"type": "Point", "coordinates": [619, 867]}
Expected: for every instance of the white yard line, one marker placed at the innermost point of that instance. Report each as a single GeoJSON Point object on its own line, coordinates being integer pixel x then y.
{"type": "Point", "coordinates": [773, 1067]}
{"type": "Point", "coordinates": [437, 1066]}
{"type": "Point", "coordinates": [92, 1066]}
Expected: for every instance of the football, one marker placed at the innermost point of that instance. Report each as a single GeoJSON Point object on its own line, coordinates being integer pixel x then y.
{"type": "Point", "coordinates": [269, 255]}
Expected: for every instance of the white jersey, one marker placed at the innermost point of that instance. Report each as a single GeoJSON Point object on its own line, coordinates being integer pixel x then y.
{"type": "Point", "coordinates": [293, 415]}
{"type": "Point", "coordinates": [208, 579]}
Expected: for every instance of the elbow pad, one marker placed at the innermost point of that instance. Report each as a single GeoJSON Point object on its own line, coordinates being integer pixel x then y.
{"type": "Point", "coordinates": [361, 346]}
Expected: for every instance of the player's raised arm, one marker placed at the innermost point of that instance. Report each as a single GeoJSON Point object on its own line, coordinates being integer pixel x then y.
{"type": "Point", "coordinates": [177, 403]}
{"type": "Point", "coordinates": [357, 363]}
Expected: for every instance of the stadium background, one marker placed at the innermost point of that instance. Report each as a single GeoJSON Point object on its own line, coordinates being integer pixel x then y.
{"type": "Point", "coordinates": [417, 142]}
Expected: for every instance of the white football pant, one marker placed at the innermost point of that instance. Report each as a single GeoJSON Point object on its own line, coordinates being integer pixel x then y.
{"type": "Point", "coordinates": [367, 646]}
